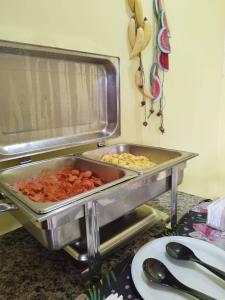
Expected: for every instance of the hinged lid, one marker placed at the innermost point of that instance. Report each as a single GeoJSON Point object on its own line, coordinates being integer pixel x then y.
{"type": "Point", "coordinates": [53, 99]}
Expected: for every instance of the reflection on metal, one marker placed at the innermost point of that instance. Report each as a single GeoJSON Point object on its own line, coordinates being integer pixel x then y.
{"type": "Point", "coordinates": [4, 207]}
{"type": "Point", "coordinates": [92, 237]}
{"type": "Point", "coordinates": [174, 181]}
{"type": "Point", "coordinates": [124, 230]}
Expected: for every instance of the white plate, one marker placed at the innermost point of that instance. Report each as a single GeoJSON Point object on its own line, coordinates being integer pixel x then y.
{"type": "Point", "coordinates": [189, 273]}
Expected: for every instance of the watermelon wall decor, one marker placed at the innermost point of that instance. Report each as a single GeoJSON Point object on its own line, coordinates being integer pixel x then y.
{"type": "Point", "coordinates": [163, 61]}
{"type": "Point", "coordinates": [163, 40]}
{"type": "Point", "coordinates": [162, 49]}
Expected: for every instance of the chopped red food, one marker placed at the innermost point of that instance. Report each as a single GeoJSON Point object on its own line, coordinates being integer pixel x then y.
{"type": "Point", "coordinates": [59, 186]}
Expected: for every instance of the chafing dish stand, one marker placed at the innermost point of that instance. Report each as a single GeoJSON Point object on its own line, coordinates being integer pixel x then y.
{"type": "Point", "coordinates": [59, 100]}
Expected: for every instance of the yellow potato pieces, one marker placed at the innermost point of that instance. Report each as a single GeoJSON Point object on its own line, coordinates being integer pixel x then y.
{"type": "Point", "coordinates": [128, 160]}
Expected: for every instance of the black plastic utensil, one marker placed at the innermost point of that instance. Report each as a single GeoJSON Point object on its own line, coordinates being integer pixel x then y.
{"type": "Point", "coordinates": [157, 272]}
{"type": "Point", "coordinates": [179, 251]}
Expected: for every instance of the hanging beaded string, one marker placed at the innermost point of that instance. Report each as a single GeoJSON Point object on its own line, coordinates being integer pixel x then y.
{"type": "Point", "coordinates": [160, 112]}
{"type": "Point", "coordinates": [155, 48]}
{"type": "Point", "coordinates": [143, 102]}
{"type": "Point", "coordinates": [151, 110]}
{"type": "Point", "coordinates": [145, 123]}
{"type": "Point", "coordinates": [142, 71]}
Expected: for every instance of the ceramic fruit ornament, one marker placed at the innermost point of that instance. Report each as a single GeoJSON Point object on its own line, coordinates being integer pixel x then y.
{"type": "Point", "coordinates": [132, 31]}
{"type": "Point", "coordinates": [157, 7]}
{"type": "Point", "coordinates": [147, 32]}
{"type": "Point", "coordinates": [139, 29]}
{"type": "Point", "coordinates": [139, 42]}
{"type": "Point", "coordinates": [153, 72]}
{"type": "Point", "coordinates": [131, 4]}
{"type": "Point", "coordinates": [163, 40]}
{"type": "Point", "coordinates": [163, 61]}
{"type": "Point", "coordinates": [140, 83]}
{"type": "Point", "coordinates": [163, 21]}
{"type": "Point", "coordinates": [139, 12]}
{"type": "Point", "coordinates": [156, 87]}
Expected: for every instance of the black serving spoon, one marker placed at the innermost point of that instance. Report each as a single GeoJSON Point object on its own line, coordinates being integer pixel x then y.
{"type": "Point", "coordinates": [157, 272]}
{"type": "Point", "coordinates": [179, 251]}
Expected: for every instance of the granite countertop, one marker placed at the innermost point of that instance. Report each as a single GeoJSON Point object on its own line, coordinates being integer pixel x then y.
{"type": "Point", "coordinates": [29, 271]}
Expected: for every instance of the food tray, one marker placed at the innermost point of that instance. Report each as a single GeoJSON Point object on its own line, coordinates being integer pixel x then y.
{"type": "Point", "coordinates": [112, 175]}
{"type": "Point", "coordinates": [160, 156]}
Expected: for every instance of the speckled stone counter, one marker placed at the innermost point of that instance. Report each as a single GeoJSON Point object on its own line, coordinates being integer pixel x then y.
{"type": "Point", "coordinates": [29, 271]}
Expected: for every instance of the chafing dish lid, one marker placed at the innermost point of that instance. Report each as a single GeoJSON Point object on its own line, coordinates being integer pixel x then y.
{"type": "Point", "coordinates": [54, 99]}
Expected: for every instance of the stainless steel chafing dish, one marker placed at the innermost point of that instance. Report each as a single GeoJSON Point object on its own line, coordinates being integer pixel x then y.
{"type": "Point", "coordinates": [55, 99]}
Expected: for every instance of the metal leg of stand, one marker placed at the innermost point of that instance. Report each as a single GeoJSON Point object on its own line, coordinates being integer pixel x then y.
{"type": "Point", "coordinates": [174, 179]}
{"type": "Point", "coordinates": [93, 239]}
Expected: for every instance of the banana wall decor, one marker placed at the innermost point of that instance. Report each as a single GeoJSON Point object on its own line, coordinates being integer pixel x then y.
{"type": "Point", "coordinates": [139, 35]}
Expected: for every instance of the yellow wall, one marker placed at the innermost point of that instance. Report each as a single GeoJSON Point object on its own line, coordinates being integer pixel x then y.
{"type": "Point", "coordinates": [195, 103]}
{"type": "Point", "coordinates": [193, 87]}
{"type": "Point", "coordinates": [221, 185]}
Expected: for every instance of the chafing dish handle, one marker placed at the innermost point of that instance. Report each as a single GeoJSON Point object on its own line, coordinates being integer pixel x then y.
{"type": "Point", "coordinates": [7, 207]}
{"type": "Point", "coordinates": [4, 206]}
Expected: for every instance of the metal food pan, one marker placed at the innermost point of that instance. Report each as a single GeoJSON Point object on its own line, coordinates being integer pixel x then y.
{"type": "Point", "coordinates": [112, 175]}
{"type": "Point", "coordinates": [160, 156]}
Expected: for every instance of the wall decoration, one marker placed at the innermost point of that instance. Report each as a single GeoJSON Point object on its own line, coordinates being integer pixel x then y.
{"type": "Point", "coordinates": [139, 35]}
{"type": "Point", "coordinates": [161, 53]}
